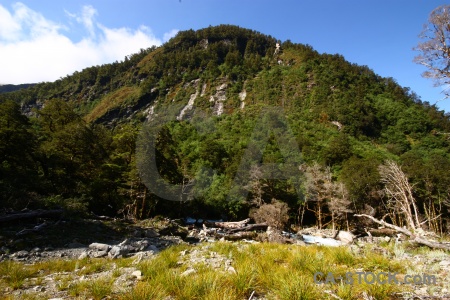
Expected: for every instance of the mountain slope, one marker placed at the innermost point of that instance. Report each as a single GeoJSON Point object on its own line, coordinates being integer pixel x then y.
{"type": "Point", "coordinates": [341, 115]}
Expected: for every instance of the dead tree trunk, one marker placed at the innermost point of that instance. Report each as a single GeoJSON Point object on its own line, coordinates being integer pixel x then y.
{"type": "Point", "coordinates": [413, 237]}
{"type": "Point", "coordinates": [250, 227]}
{"type": "Point", "coordinates": [40, 213]}
{"type": "Point", "coordinates": [400, 193]}
{"type": "Point", "coordinates": [229, 225]}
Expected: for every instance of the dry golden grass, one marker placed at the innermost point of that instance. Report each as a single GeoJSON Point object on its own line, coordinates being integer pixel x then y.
{"type": "Point", "coordinates": [273, 271]}
{"type": "Point", "coordinates": [113, 100]}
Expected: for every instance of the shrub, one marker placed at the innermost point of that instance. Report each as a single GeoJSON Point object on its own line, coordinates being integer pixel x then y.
{"type": "Point", "coordinates": [274, 214]}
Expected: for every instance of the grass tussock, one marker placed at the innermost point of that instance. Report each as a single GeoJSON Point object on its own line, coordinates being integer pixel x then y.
{"type": "Point", "coordinates": [267, 270]}
{"type": "Point", "coordinates": [275, 271]}
{"type": "Point", "coordinates": [13, 274]}
{"type": "Point", "coordinates": [93, 289]}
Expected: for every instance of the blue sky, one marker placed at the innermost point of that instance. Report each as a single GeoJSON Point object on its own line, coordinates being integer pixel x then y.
{"type": "Point", "coordinates": [46, 40]}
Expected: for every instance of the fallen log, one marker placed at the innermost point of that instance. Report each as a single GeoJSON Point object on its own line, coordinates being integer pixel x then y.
{"type": "Point", "coordinates": [382, 232]}
{"type": "Point", "coordinates": [34, 229]}
{"type": "Point", "coordinates": [239, 236]}
{"type": "Point", "coordinates": [228, 225]}
{"type": "Point", "coordinates": [40, 213]}
{"type": "Point", "coordinates": [250, 227]}
{"type": "Point", "coordinates": [413, 237]}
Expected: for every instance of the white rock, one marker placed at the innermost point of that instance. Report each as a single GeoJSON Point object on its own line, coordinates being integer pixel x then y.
{"type": "Point", "coordinates": [203, 92]}
{"type": "Point", "coordinates": [345, 237]}
{"type": "Point", "coordinates": [100, 254]}
{"type": "Point", "coordinates": [310, 239]}
{"type": "Point", "coordinates": [137, 274]}
{"type": "Point", "coordinates": [99, 246]}
{"type": "Point", "coordinates": [83, 255]}
{"type": "Point", "coordinates": [39, 288]}
{"type": "Point", "coordinates": [189, 106]}
{"type": "Point", "coordinates": [222, 87]}
{"type": "Point", "coordinates": [118, 251]}
{"type": "Point", "coordinates": [243, 95]}
{"type": "Point", "coordinates": [188, 272]}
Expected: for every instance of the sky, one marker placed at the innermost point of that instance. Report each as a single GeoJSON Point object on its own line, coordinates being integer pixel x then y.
{"type": "Point", "coordinates": [48, 39]}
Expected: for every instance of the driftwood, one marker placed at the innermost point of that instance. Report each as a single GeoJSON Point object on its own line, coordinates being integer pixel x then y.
{"type": "Point", "coordinates": [382, 232]}
{"type": "Point", "coordinates": [40, 213]}
{"type": "Point", "coordinates": [413, 237]}
{"type": "Point", "coordinates": [228, 225]}
{"type": "Point", "coordinates": [32, 230]}
{"type": "Point", "coordinates": [250, 227]}
{"type": "Point", "coordinates": [233, 231]}
{"type": "Point", "coordinates": [239, 236]}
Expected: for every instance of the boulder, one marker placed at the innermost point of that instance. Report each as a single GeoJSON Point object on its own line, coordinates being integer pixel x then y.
{"type": "Point", "coordinates": [99, 254]}
{"type": "Point", "coordinates": [118, 251]}
{"type": "Point", "coordinates": [99, 247]}
{"type": "Point", "coordinates": [137, 275]}
{"type": "Point", "coordinates": [345, 237]}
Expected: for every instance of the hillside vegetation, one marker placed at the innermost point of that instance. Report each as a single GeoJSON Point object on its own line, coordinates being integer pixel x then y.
{"type": "Point", "coordinates": [76, 146]}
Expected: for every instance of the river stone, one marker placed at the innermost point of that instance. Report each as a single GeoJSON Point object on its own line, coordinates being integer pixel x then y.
{"type": "Point", "coordinates": [118, 251]}
{"type": "Point", "coordinates": [100, 254]}
{"type": "Point", "coordinates": [345, 237]}
{"type": "Point", "coordinates": [99, 246]}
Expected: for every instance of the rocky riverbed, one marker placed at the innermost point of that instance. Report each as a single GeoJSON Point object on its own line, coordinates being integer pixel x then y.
{"type": "Point", "coordinates": [100, 249]}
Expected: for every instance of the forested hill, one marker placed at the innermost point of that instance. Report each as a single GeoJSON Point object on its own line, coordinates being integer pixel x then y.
{"type": "Point", "coordinates": [78, 150]}
{"type": "Point", "coordinates": [6, 88]}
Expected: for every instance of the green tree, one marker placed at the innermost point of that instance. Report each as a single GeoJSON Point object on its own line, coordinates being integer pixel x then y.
{"type": "Point", "coordinates": [72, 152]}
{"type": "Point", "coordinates": [18, 170]}
{"type": "Point", "coordinates": [361, 178]}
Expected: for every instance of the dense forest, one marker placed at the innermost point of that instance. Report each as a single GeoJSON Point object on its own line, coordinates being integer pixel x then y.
{"type": "Point", "coordinates": [72, 143]}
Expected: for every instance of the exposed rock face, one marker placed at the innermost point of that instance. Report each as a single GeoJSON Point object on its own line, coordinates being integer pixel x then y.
{"type": "Point", "coordinates": [203, 93]}
{"type": "Point", "coordinates": [242, 96]}
{"type": "Point", "coordinates": [189, 106]}
{"type": "Point", "coordinates": [219, 98]}
{"type": "Point", "coordinates": [192, 98]}
{"type": "Point", "coordinates": [28, 108]}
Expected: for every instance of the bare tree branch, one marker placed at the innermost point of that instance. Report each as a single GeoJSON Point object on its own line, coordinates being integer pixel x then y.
{"type": "Point", "coordinates": [414, 238]}
{"type": "Point", "coordinates": [435, 49]}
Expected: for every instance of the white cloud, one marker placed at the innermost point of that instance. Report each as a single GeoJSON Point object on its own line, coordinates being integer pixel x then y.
{"type": "Point", "coordinates": [9, 27]}
{"type": "Point", "coordinates": [35, 49]}
{"type": "Point", "coordinates": [170, 34]}
{"type": "Point", "coordinates": [87, 18]}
